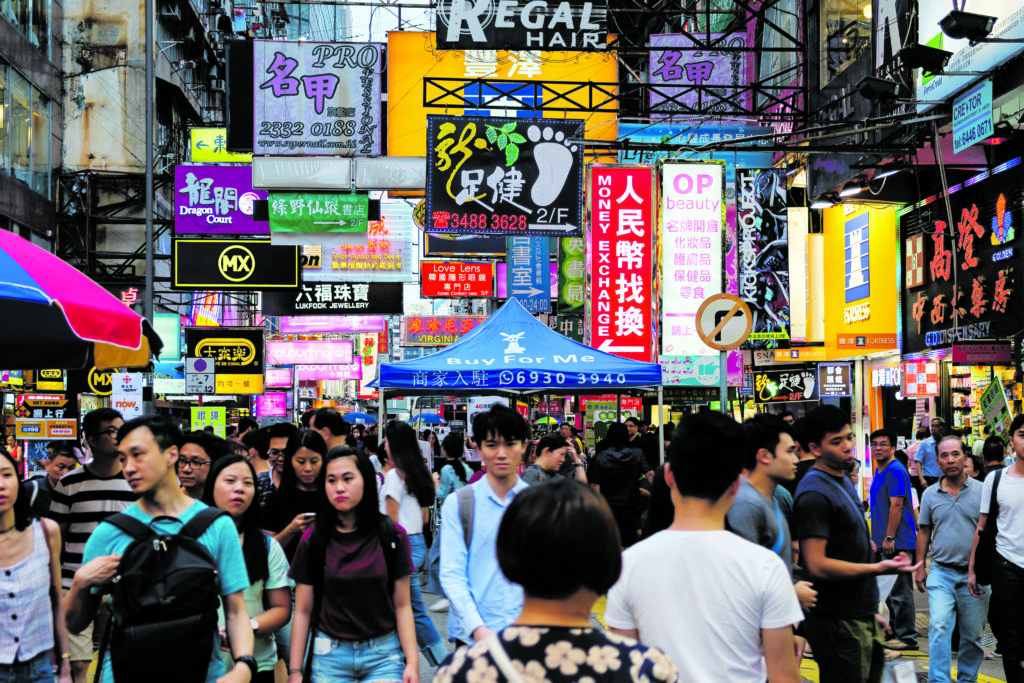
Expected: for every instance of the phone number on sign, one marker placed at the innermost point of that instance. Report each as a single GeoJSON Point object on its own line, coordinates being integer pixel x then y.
{"type": "Point", "coordinates": [526, 378]}
{"type": "Point", "coordinates": [442, 220]}
{"type": "Point", "coordinates": [286, 129]}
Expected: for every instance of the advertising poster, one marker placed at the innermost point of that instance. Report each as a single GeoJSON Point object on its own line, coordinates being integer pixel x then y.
{"type": "Point", "coordinates": [215, 200]}
{"type": "Point", "coordinates": [126, 396]}
{"type": "Point", "coordinates": [209, 417]}
{"type": "Point", "coordinates": [997, 411]}
{"type": "Point", "coordinates": [45, 416]}
{"type": "Point", "coordinates": [278, 377]}
{"type": "Point", "coordinates": [572, 268]}
{"type": "Point", "coordinates": [690, 371]}
{"type": "Point", "coordinates": [437, 330]}
{"type": "Point", "coordinates": [316, 98]}
{"type": "Point", "coordinates": [762, 230]}
{"type": "Point", "coordinates": [488, 24]}
{"type": "Point", "coordinates": [692, 215]}
{"type": "Point", "coordinates": [237, 354]}
{"type": "Point", "coordinates": [620, 304]}
{"type": "Point", "coordinates": [338, 298]}
{"type": "Point", "coordinates": [500, 176]}
{"type": "Point", "coordinates": [304, 373]}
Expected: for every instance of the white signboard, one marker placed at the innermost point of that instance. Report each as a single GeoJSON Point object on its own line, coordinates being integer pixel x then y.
{"type": "Point", "coordinates": [313, 98]}
{"type": "Point", "coordinates": [972, 116]}
{"type": "Point", "coordinates": [126, 394]}
{"type": "Point", "coordinates": [199, 376]}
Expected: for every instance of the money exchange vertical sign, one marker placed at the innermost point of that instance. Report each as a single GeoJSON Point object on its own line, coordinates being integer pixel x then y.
{"type": "Point", "coordinates": [529, 273]}
{"type": "Point", "coordinates": [620, 306]}
{"type": "Point", "coordinates": [316, 98]}
{"type": "Point", "coordinates": [762, 232]}
{"type": "Point", "coordinates": [572, 268]}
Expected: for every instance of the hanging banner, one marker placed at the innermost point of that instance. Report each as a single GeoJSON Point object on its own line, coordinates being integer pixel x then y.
{"type": "Point", "coordinates": [216, 200]}
{"type": "Point", "coordinates": [315, 98]}
{"type": "Point", "coordinates": [621, 299]}
{"type": "Point", "coordinates": [692, 219]}
{"type": "Point", "coordinates": [233, 264]}
{"type": "Point", "coordinates": [537, 25]}
{"type": "Point", "coordinates": [325, 298]}
{"type": "Point", "coordinates": [572, 269]}
{"type": "Point", "coordinates": [528, 272]}
{"type": "Point", "coordinates": [456, 278]}
{"type": "Point", "coordinates": [762, 230]}
{"type": "Point", "coordinates": [437, 330]}
{"type": "Point", "coordinates": [997, 411]}
{"type": "Point", "coordinates": [498, 176]}
{"type": "Point", "coordinates": [126, 397]}
{"type": "Point", "coordinates": [309, 352]}
{"type": "Point", "coordinates": [237, 354]}
{"type": "Point", "coordinates": [368, 364]}
{"type": "Point", "coordinates": [305, 212]}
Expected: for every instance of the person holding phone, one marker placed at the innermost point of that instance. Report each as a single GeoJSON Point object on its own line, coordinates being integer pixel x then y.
{"type": "Point", "coordinates": [292, 508]}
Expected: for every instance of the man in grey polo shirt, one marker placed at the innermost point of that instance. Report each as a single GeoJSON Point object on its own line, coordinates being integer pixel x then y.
{"type": "Point", "coordinates": [950, 509]}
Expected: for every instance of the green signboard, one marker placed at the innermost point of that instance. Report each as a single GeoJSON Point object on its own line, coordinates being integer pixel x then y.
{"type": "Point", "coordinates": [996, 410]}
{"type": "Point", "coordinates": [309, 212]}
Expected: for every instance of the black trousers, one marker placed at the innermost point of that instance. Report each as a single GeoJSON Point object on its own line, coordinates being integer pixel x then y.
{"type": "Point", "coordinates": [1007, 616]}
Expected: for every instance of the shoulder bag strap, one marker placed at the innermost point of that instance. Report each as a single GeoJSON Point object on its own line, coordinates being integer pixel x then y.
{"type": "Point", "coordinates": [782, 535]}
{"type": "Point", "coordinates": [198, 525]}
{"type": "Point", "coordinates": [131, 526]}
{"type": "Point", "coordinates": [501, 659]}
{"type": "Point", "coordinates": [993, 504]}
{"type": "Point", "coordinates": [467, 507]}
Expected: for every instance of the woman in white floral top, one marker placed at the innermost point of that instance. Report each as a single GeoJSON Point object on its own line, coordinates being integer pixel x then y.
{"type": "Point", "coordinates": [559, 541]}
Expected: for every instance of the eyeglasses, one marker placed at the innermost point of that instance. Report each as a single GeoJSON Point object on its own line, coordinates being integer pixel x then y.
{"type": "Point", "coordinates": [194, 463]}
{"type": "Point", "coordinates": [275, 454]}
{"type": "Point", "coordinates": [881, 445]}
{"type": "Point", "coordinates": [110, 431]}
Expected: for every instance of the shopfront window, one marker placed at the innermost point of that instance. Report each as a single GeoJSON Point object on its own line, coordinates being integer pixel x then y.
{"type": "Point", "coordinates": [5, 116]}
{"type": "Point", "coordinates": [40, 144]}
{"type": "Point", "coordinates": [21, 128]}
{"type": "Point", "coordinates": [24, 131]}
{"type": "Point", "coordinates": [845, 35]}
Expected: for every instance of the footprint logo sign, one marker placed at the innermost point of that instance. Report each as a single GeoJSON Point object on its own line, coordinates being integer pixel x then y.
{"type": "Point", "coordinates": [497, 176]}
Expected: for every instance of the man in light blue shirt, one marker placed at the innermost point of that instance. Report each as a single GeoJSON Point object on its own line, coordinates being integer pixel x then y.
{"type": "Point", "coordinates": [482, 600]}
{"type": "Point", "coordinates": [928, 472]}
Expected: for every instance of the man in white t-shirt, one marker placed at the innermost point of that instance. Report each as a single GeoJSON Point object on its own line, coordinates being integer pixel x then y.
{"type": "Point", "coordinates": [721, 607]}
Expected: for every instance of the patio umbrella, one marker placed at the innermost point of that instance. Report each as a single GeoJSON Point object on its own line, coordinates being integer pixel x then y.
{"type": "Point", "coordinates": [430, 419]}
{"type": "Point", "coordinates": [55, 317]}
{"type": "Point", "coordinates": [359, 418]}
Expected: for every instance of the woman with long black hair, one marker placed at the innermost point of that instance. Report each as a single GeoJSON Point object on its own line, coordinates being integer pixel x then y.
{"type": "Point", "coordinates": [454, 473]}
{"type": "Point", "coordinates": [292, 507]}
{"type": "Point", "coordinates": [409, 492]}
{"type": "Point", "coordinates": [231, 486]}
{"type": "Point", "coordinates": [352, 573]}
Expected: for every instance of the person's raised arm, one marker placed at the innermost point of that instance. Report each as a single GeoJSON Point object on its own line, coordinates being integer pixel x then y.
{"type": "Point", "coordinates": [80, 603]}
{"type": "Point", "coordinates": [818, 566]}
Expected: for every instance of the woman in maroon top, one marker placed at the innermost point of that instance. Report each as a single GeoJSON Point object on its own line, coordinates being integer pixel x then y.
{"type": "Point", "coordinates": [356, 606]}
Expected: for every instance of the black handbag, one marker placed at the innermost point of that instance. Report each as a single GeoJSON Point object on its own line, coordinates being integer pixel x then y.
{"type": "Point", "coordinates": [985, 552]}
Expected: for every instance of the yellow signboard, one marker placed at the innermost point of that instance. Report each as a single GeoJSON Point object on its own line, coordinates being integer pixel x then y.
{"type": "Point", "coordinates": [414, 56]}
{"type": "Point", "coordinates": [210, 145]}
{"type": "Point", "coordinates": [860, 306]}
{"type": "Point", "coordinates": [50, 380]}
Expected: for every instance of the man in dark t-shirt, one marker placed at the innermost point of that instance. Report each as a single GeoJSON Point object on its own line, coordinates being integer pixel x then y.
{"type": "Point", "coordinates": [835, 548]}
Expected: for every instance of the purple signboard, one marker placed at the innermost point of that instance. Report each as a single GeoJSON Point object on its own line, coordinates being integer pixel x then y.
{"type": "Point", "coordinates": [676, 63]}
{"type": "Point", "coordinates": [277, 377]}
{"type": "Point", "coordinates": [313, 352]}
{"type": "Point", "coordinates": [216, 200]}
{"type": "Point", "coordinates": [317, 98]}
{"type": "Point", "coordinates": [501, 291]}
{"type": "Point", "coordinates": [328, 372]}
{"type": "Point", "coordinates": [332, 324]}
{"type": "Point", "coordinates": [273, 404]}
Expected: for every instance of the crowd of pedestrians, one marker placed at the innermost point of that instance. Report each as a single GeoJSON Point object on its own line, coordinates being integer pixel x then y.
{"type": "Point", "coordinates": [300, 552]}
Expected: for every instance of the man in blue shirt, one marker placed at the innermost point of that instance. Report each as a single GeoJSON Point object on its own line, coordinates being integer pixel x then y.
{"type": "Point", "coordinates": [148, 448]}
{"type": "Point", "coordinates": [928, 471]}
{"type": "Point", "coordinates": [894, 531]}
{"type": "Point", "coordinates": [482, 600]}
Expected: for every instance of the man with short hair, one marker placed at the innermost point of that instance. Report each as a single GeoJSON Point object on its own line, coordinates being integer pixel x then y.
{"type": "Point", "coordinates": [720, 606]}
{"type": "Point", "coordinates": [196, 456]}
{"type": "Point", "coordinates": [483, 601]}
{"type": "Point", "coordinates": [148, 447]}
{"type": "Point", "coordinates": [60, 460]}
{"type": "Point", "coordinates": [835, 548]}
{"type": "Point", "coordinates": [993, 452]}
{"type": "Point", "coordinates": [569, 434]}
{"type": "Point", "coordinates": [787, 417]}
{"type": "Point", "coordinates": [633, 429]}
{"type": "Point", "coordinates": [928, 470]}
{"type": "Point", "coordinates": [329, 423]}
{"type": "Point", "coordinates": [246, 425]}
{"type": "Point", "coordinates": [894, 531]}
{"type": "Point", "coordinates": [81, 500]}
{"type": "Point", "coordinates": [278, 435]}
{"type": "Point", "coordinates": [950, 510]}
{"type": "Point", "coordinates": [805, 459]}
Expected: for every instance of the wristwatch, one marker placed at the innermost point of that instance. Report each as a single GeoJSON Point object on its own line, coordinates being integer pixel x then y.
{"type": "Point", "coordinates": [254, 624]}
{"type": "Point", "coordinates": [890, 538]}
{"type": "Point", "coordinates": [250, 662]}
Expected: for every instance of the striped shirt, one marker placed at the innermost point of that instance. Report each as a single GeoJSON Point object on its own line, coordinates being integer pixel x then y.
{"type": "Point", "coordinates": [81, 500]}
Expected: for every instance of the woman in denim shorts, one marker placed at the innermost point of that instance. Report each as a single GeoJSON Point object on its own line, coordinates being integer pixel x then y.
{"type": "Point", "coordinates": [353, 616]}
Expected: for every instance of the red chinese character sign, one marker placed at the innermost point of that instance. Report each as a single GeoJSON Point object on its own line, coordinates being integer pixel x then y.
{"type": "Point", "coordinates": [497, 176]}
{"type": "Point", "coordinates": [620, 234]}
{"type": "Point", "coordinates": [456, 278]}
{"type": "Point", "coordinates": [960, 280]}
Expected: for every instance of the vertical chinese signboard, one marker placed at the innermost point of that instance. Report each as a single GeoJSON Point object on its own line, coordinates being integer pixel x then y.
{"type": "Point", "coordinates": [572, 268]}
{"type": "Point", "coordinates": [763, 234]}
{"type": "Point", "coordinates": [620, 306]}
{"type": "Point", "coordinates": [960, 281]}
{"type": "Point", "coordinates": [316, 98]}
{"type": "Point", "coordinates": [692, 215]}
{"type": "Point", "coordinates": [368, 361]}
{"type": "Point", "coordinates": [528, 275]}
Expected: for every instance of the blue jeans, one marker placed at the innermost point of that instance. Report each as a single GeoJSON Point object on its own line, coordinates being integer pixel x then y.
{"type": "Point", "coordinates": [949, 598]}
{"type": "Point", "coordinates": [35, 670]}
{"type": "Point", "coordinates": [427, 636]}
{"type": "Point", "coordinates": [342, 661]}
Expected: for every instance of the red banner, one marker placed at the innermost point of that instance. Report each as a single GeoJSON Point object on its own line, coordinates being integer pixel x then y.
{"type": "Point", "coordinates": [456, 278]}
{"type": "Point", "coordinates": [620, 309]}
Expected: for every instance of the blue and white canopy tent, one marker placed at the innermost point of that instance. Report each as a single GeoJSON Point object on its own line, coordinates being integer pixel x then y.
{"type": "Point", "coordinates": [514, 353]}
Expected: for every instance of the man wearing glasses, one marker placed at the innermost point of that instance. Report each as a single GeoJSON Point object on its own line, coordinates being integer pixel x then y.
{"type": "Point", "coordinates": [81, 499]}
{"type": "Point", "coordinates": [894, 531]}
{"type": "Point", "coordinates": [60, 460]}
{"type": "Point", "coordinates": [198, 451]}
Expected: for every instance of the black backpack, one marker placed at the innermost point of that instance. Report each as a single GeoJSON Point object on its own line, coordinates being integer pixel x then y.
{"type": "Point", "coordinates": [163, 610]}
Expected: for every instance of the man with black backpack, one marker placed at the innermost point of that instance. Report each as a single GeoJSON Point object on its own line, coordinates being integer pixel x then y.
{"type": "Point", "coordinates": [168, 561]}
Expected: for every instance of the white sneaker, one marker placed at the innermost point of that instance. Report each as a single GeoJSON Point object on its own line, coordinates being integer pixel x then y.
{"type": "Point", "coordinates": [440, 606]}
